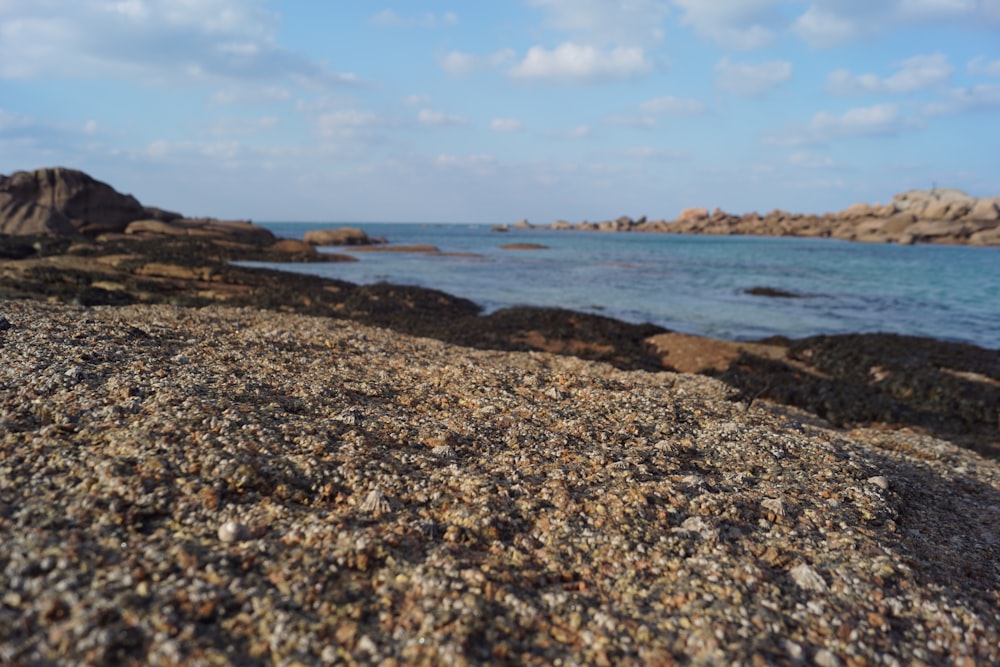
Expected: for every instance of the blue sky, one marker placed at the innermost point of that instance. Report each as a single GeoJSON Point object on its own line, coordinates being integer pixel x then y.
{"type": "Point", "coordinates": [495, 111]}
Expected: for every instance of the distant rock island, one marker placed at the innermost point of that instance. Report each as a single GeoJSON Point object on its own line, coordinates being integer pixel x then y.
{"type": "Point", "coordinates": [939, 215]}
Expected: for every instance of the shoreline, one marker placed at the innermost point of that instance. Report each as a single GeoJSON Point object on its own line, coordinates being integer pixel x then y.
{"type": "Point", "coordinates": [948, 389]}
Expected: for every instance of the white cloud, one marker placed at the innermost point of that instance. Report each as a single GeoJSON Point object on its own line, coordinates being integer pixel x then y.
{"type": "Point", "coordinates": [158, 149]}
{"type": "Point", "coordinates": [222, 150]}
{"type": "Point", "coordinates": [981, 97]}
{"type": "Point", "coordinates": [346, 123]}
{"type": "Point", "coordinates": [822, 28]}
{"type": "Point", "coordinates": [458, 63]}
{"type": "Point", "coordinates": [811, 160]}
{"type": "Point", "coordinates": [823, 127]}
{"type": "Point", "coordinates": [244, 126]}
{"type": "Point", "coordinates": [936, 9]}
{"type": "Point", "coordinates": [877, 119]}
{"type": "Point", "coordinates": [980, 66]}
{"type": "Point", "coordinates": [252, 94]}
{"type": "Point", "coordinates": [10, 120]}
{"type": "Point", "coordinates": [506, 125]}
{"type": "Point", "coordinates": [152, 43]}
{"type": "Point", "coordinates": [599, 22]}
{"type": "Point", "coordinates": [391, 19]}
{"type": "Point", "coordinates": [674, 106]}
{"type": "Point", "coordinates": [577, 132]}
{"type": "Point", "coordinates": [571, 62]}
{"type": "Point", "coordinates": [831, 22]}
{"type": "Point", "coordinates": [750, 79]}
{"type": "Point", "coordinates": [416, 100]}
{"type": "Point", "coordinates": [440, 119]}
{"type": "Point", "coordinates": [479, 163]}
{"type": "Point", "coordinates": [913, 74]}
{"type": "Point", "coordinates": [736, 24]}
{"type": "Point", "coordinates": [638, 122]}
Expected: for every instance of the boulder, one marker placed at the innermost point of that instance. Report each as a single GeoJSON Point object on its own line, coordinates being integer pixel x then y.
{"type": "Point", "coordinates": [985, 208]}
{"type": "Point", "coordinates": [855, 211]}
{"type": "Point", "coordinates": [294, 247]}
{"type": "Point", "coordinates": [897, 223]}
{"type": "Point", "coordinates": [693, 214]}
{"type": "Point", "coordinates": [989, 237]}
{"type": "Point", "coordinates": [41, 200]}
{"type": "Point", "coordinates": [523, 224]}
{"type": "Point", "coordinates": [940, 231]}
{"type": "Point", "coordinates": [340, 236]}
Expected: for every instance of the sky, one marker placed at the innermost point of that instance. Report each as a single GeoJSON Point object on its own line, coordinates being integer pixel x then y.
{"type": "Point", "coordinates": [336, 111]}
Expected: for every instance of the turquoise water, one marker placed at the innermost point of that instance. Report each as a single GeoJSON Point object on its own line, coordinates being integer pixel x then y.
{"type": "Point", "coordinates": [696, 284]}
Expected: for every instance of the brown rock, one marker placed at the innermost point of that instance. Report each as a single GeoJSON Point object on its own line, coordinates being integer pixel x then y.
{"type": "Point", "coordinates": [693, 214]}
{"type": "Point", "coordinates": [986, 237]}
{"type": "Point", "coordinates": [938, 231]}
{"type": "Point", "coordinates": [157, 227]}
{"type": "Point", "coordinates": [38, 198]}
{"type": "Point", "coordinates": [855, 211]}
{"type": "Point", "coordinates": [523, 246]}
{"type": "Point", "coordinates": [239, 229]}
{"type": "Point", "coordinates": [897, 223]}
{"type": "Point", "coordinates": [19, 216]}
{"type": "Point", "coordinates": [208, 227]}
{"type": "Point", "coordinates": [293, 246]}
{"type": "Point", "coordinates": [985, 208]}
{"type": "Point", "coordinates": [340, 236]}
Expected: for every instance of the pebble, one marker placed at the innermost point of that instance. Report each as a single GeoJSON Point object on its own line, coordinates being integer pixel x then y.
{"type": "Point", "coordinates": [233, 531]}
{"type": "Point", "coordinates": [879, 481]}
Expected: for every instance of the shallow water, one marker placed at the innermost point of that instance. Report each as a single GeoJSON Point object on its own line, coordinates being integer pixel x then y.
{"type": "Point", "coordinates": [696, 284]}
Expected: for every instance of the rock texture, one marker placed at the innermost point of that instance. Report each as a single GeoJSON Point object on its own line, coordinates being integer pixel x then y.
{"type": "Point", "coordinates": [221, 486]}
{"type": "Point", "coordinates": [918, 216]}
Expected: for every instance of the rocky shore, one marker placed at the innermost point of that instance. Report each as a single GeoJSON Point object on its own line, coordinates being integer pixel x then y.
{"type": "Point", "coordinates": [939, 215]}
{"type": "Point", "coordinates": [207, 464]}
{"type": "Point", "coordinates": [950, 390]}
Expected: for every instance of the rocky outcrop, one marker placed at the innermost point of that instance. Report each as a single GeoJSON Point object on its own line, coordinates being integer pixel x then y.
{"type": "Point", "coordinates": [918, 216]}
{"type": "Point", "coordinates": [61, 201]}
{"type": "Point", "coordinates": [340, 236]}
{"type": "Point", "coordinates": [208, 227]}
{"type": "Point", "coordinates": [64, 202]}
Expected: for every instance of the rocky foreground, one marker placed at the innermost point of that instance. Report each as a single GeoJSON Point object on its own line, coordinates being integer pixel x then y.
{"type": "Point", "coordinates": [237, 486]}
{"type": "Point", "coordinates": [940, 215]}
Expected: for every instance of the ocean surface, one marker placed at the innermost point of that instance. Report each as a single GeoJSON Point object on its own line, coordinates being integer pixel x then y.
{"type": "Point", "coordinates": [696, 284]}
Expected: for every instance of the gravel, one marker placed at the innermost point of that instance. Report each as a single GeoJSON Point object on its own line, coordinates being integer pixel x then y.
{"type": "Point", "coordinates": [233, 486]}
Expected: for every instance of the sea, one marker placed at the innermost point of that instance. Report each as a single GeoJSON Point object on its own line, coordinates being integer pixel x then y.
{"type": "Point", "coordinates": [693, 284]}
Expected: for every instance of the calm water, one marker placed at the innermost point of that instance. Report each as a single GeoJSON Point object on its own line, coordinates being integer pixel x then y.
{"type": "Point", "coordinates": [696, 284]}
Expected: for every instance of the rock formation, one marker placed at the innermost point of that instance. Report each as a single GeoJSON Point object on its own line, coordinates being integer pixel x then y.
{"type": "Point", "coordinates": [64, 202]}
{"type": "Point", "coordinates": [918, 216]}
{"type": "Point", "coordinates": [340, 236]}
